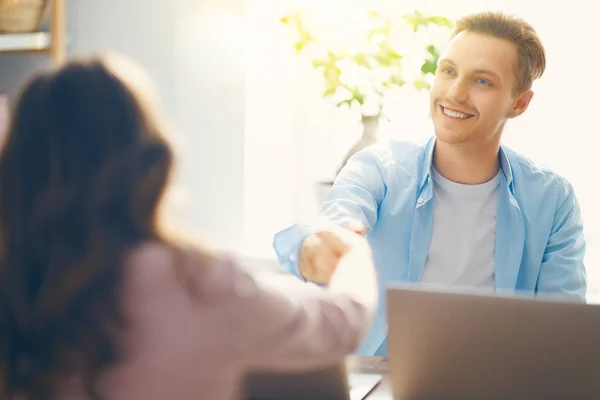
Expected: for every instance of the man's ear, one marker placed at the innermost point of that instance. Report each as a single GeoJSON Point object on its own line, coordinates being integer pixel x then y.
{"type": "Point", "coordinates": [521, 104]}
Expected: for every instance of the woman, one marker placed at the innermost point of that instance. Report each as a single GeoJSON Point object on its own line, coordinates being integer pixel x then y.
{"type": "Point", "coordinates": [96, 301]}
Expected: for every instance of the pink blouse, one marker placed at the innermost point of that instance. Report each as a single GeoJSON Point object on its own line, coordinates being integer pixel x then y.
{"type": "Point", "coordinates": [193, 332]}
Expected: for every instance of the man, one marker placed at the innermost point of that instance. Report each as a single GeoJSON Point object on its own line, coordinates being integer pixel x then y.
{"type": "Point", "coordinates": [462, 209]}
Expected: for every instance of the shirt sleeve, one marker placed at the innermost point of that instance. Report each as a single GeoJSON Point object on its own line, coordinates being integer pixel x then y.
{"type": "Point", "coordinates": [355, 195]}
{"type": "Point", "coordinates": [563, 271]}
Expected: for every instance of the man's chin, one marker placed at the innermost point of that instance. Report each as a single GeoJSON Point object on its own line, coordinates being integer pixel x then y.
{"type": "Point", "coordinates": [452, 137]}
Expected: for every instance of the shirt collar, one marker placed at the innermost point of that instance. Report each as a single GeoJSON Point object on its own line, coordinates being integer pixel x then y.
{"type": "Point", "coordinates": [428, 165]}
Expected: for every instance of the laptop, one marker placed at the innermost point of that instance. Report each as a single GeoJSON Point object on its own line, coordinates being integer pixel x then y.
{"type": "Point", "coordinates": [340, 382]}
{"type": "Point", "coordinates": [446, 344]}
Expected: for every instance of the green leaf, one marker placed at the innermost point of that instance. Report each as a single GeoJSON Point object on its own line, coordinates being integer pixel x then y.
{"type": "Point", "coordinates": [332, 75]}
{"type": "Point", "coordinates": [319, 63]}
{"type": "Point", "coordinates": [440, 21]}
{"type": "Point", "coordinates": [332, 81]}
{"type": "Point", "coordinates": [387, 55]}
{"type": "Point", "coordinates": [429, 67]}
{"type": "Point", "coordinates": [413, 21]}
{"type": "Point", "coordinates": [397, 80]}
{"type": "Point", "coordinates": [292, 18]}
{"type": "Point", "coordinates": [358, 96]}
{"type": "Point", "coordinates": [331, 72]}
{"type": "Point", "coordinates": [382, 59]}
{"type": "Point", "coordinates": [417, 19]}
{"type": "Point", "coordinates": [346, 101]}
{"type": "Point", "coordinates": [430, 64]}
{"type": "Point", "coordinates": [361, 59]}
{"type": "Point", "coordinates": [299, 46]}
{"type": "Point", "coordinates": [330, 91]}
{"type": "Point", "coordinates": [421, 84]}
{"type": "Point", "coordinates": [389, 49]}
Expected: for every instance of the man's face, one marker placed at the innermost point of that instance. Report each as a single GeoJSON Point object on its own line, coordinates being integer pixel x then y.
{"type": "Point", "coordinates": [473, 93]}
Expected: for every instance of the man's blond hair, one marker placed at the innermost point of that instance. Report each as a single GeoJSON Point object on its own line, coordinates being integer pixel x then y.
{"type": "Point", "coordinates": [531, 53]}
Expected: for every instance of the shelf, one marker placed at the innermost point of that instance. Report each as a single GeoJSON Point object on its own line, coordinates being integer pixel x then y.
{"type": "Point", "coordinates": [37, 42]}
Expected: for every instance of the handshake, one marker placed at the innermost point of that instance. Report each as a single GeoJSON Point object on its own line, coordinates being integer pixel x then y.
{"type": "Point", "coordinates": [321, 252]}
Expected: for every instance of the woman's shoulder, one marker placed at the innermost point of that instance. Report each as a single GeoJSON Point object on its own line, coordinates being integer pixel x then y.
{"type": "Point", "coordinates": [203, 272]}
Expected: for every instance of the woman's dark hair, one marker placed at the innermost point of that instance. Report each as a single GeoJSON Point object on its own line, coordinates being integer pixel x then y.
{"type": "Point", "coordinates": [82, 173]}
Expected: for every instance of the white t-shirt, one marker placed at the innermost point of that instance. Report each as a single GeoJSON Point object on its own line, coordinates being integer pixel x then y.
{"type": "Point", "coordinates": [463, 237]}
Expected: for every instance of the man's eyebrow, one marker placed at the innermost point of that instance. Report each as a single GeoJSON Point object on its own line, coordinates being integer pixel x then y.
{"type": "Point", "coordinates": [447, 61]}
{"type": "Point", "coordinates": [487, 71]}
{"type": "Point", "coordinates": [477, 71]}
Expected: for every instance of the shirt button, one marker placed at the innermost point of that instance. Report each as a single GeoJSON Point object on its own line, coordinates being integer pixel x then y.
{"type": "Point", "coordinates": [420, 201]}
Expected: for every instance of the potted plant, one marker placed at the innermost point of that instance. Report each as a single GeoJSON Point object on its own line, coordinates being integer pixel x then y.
{"type": "Point", "coordinates": [360, 75]}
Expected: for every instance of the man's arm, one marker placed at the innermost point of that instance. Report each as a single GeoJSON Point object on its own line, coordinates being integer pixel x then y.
{"type": "Point", "coordinates": [562, 271]}
{"type": "Point", "coordinates": [354, 197]}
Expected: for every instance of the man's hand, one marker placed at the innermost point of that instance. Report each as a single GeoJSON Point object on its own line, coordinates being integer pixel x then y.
{"type": "Point", "coordinates": [321, 252]}
{"type": "Point", "coordinates": [356, 227]}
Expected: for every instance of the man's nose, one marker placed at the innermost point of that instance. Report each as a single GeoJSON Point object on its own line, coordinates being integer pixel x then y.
{"type": "Point", "coordinates": [458, 92]}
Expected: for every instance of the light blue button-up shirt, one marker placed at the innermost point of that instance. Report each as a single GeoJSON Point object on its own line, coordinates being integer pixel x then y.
{"type": "Point", "coordinates": [539, 245]}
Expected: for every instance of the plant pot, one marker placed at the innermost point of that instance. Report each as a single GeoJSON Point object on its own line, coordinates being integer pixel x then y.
{"type": "Point", "coordinates": [370, 128]}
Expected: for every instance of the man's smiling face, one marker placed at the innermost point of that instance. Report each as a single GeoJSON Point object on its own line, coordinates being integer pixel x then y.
{"type": "Point", "coordinates": [474, 91]}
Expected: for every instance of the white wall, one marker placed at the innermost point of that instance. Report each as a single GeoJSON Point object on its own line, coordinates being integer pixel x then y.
{"type": "Point", "coordinates": [210, 99]}
{"type": "Point", "coordinates": [188, 49]}
{"type": "Point", "coordinates": [560, 128]}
